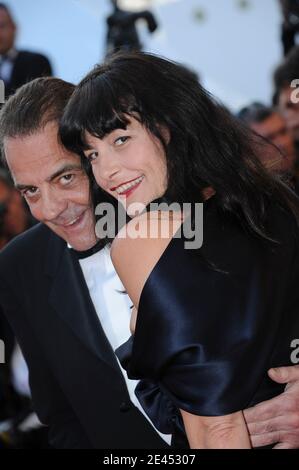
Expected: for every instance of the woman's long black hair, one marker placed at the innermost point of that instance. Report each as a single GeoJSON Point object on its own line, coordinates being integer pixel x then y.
{"type": "Point", "coordinates": [208, 147]}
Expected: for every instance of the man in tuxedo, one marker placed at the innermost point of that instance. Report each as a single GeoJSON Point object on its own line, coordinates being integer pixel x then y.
{"type": "Point", "coordinates": [62, 297]}
{"type": "Point", "coordinates": [54, 286]}
{"type": "Point", "coordinates": [17, 67]}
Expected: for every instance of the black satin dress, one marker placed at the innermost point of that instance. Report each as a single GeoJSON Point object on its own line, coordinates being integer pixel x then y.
{"type": "Point", "coordinates": [212, 321]}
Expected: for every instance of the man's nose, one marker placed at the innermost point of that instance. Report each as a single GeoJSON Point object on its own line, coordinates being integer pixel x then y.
{"type": "Point", "coordinates": [53, 204]}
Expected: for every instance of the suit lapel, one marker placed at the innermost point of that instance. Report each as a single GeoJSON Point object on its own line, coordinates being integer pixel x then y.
{"type": "Point", "coordinates": [70, 298]}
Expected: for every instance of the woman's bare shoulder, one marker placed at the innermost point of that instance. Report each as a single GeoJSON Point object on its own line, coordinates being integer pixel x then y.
{"type": "Point", "coordinates": [139, 246]}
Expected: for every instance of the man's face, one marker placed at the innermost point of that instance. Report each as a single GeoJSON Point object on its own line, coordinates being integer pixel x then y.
{"type": "Point", "coordinates": [7, 32]}
{"type": "Point", "coordinates": [54, 185]}
{"type": "Point", "coordinates": [274, 129]}
{"type": "Point", "coordinates": [290, 110]}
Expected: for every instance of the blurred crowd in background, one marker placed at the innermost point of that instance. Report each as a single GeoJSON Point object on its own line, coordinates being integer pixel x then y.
{"type": "Point", "coordinates": [277, 122]}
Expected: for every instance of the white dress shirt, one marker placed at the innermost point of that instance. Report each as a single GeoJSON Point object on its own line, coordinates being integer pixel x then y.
{"type": "Point", "coordinates": [113, 309]}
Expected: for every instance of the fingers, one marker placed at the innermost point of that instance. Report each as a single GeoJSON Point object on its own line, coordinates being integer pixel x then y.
{"type": "Point", "coordinates": [265, 410]}
{"type": "Point", "coordinates": [284, 374]}
{"type": "Point", "coordinates": [282, 440]}
{"type": "Point", "coordinates": [288, 422]}
{"type": "Point", "coordinates": [276, 421]}
{"type": "Point", "coordinates": [261, 440]}
{"type": "Point", "coordinates": [282, 431]}
{"type": "Point", "coordinates": [281, 405]}
{"type": "Point", "coordinates": [284, 445]}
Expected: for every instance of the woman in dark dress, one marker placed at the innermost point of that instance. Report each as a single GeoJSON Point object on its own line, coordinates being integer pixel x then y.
{"type": "Point", "coordinates": [212, 319]}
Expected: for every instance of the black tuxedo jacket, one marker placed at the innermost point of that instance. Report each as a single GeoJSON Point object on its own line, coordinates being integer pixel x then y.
{"type": "Point", "coordinates": [27, 66]}
{"type": "Point", "coordinates": [77, 387]}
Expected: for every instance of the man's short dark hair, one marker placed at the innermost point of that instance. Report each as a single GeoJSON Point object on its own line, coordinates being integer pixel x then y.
{"type": "Point", "coordinates": [33, 106]}
{"type": "Point", "coordinates": [255, 113]}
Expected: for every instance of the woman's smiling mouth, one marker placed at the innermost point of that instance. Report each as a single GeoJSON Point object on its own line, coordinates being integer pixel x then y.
{"type": "Point", "coordinates": [127, 188]}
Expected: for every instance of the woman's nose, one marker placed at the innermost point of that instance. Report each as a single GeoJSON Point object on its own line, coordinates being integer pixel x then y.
{"type": "Point", "coordinates": [106, 168]}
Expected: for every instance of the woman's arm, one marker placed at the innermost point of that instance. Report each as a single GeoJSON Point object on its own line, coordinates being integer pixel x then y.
{"type": "Point", "coordinates": [216, 432]}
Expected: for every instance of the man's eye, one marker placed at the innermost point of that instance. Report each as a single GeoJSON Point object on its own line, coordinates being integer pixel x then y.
{"type": "Point", "coordinates": [30, 192]}
{"type": "Point", "coordinates": [121, 140]}
{"type": "Point", "coordinates": [66, 179]}
{"type": "Point", "coordinates": [92, 156]}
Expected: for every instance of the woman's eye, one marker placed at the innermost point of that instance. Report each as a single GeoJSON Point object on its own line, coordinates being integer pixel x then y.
{"type": "Point", "coordinates": [92, 156]}
{"type": "Point", "coordinates": [121, 140]}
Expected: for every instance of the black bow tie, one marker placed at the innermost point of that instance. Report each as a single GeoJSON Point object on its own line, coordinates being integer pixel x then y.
{"type": "Point", "coordinates": [87, 253]}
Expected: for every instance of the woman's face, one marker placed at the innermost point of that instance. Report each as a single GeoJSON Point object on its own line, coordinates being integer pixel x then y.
{"type": "Point", "coordinates": [129, 164]}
